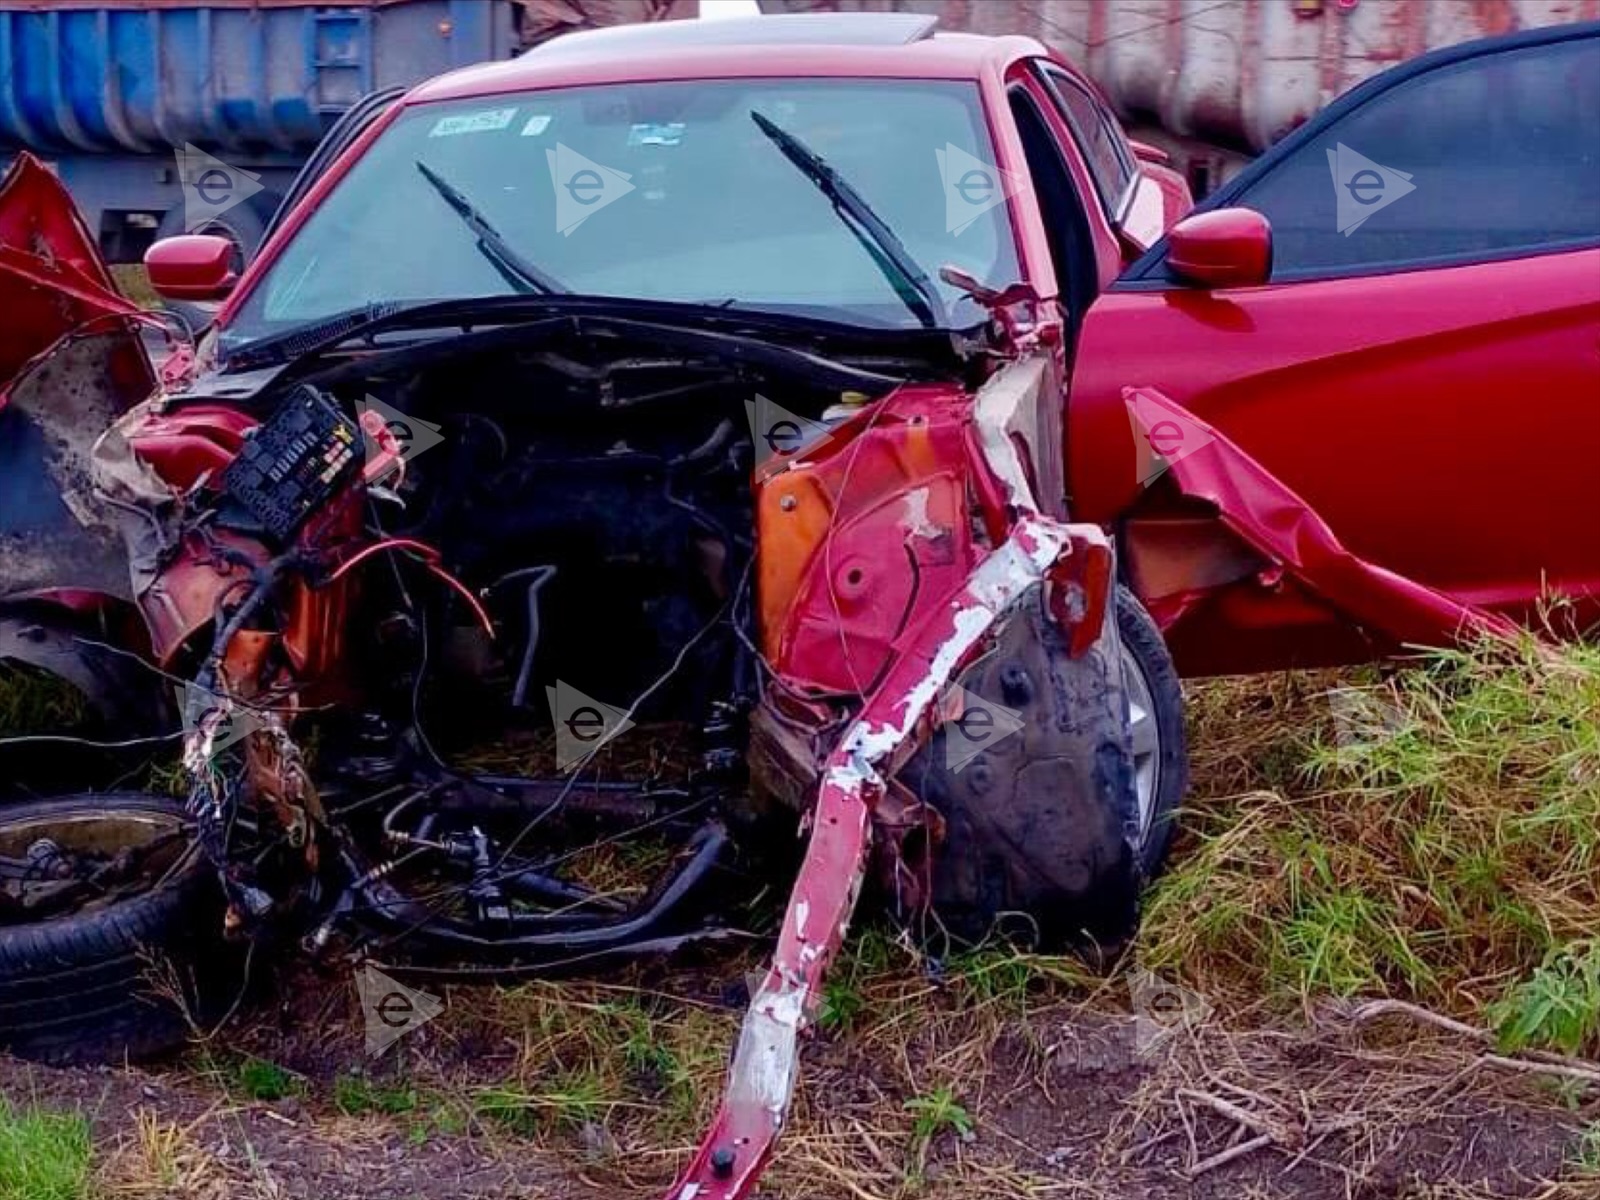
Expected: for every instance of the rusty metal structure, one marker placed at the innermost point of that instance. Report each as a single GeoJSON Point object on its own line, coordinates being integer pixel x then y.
{"type": "Point", "coordinates": [1214, 82]}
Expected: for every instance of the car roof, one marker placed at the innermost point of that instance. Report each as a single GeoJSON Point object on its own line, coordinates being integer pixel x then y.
{"type": "Point", "coordinates": [863, 45]}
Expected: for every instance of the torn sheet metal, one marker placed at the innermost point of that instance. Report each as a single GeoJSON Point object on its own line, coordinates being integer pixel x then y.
{"type": "Point", "coordinates": [55, 529]}
{"type": "Point", "coordinates": [52, 278]}
{"type": "Point", "coordinates": [892, 724]}
{"type": "Point", "coordinates": [1268, 516]}
{"type": "Point", "coordinates": [69, 364]}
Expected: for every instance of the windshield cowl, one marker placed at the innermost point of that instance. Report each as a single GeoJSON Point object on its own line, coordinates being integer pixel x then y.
{"type": "Point", "coordinates": [379, 327]}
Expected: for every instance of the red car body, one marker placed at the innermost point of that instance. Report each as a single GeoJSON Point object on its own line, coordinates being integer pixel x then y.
{"type": "Point", "coordinates": [1378, 400]}
{"type": "Point", "coordinates": [1355, 464]}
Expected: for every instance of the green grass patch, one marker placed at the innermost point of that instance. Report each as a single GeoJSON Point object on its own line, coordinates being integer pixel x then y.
{"type": "Point", "coordinates": [43, 1155]}
{"type": "Point", "coordinates": [1432, 835]}
{"type": "Point", "coordinates": [358, 1096]}
{"type": "Point", "coordinates": [259, 1079]}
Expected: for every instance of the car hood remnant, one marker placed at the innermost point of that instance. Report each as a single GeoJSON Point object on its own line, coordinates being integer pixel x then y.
{"type": "Point", "coordinates": [69, 364]}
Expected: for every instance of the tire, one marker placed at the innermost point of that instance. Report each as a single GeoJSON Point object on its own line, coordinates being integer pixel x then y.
{"type": "Point", "coordinates": [1145, 653]}
{"type": "Point", "coordinates": [1045, 836]}
{"type": "Point", "coordinates": [82, 988]}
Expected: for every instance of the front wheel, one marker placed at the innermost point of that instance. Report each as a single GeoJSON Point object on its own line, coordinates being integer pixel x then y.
{"type": "Point", "coordinates": [109, 923]}
{"type": "Point", "coordinates": [1155, 725]}
{"type": "Point", "coordinates": [1057, 785]}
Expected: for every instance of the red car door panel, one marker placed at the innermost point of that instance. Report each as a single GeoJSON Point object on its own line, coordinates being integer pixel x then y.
{"type": "Point", "coordinates": [1422, 371]}
{"type": "Point", "coordinates": [1440, 421]}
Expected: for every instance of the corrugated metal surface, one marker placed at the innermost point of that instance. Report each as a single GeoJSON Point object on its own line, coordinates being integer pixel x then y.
{"type": "Point", "coordinates": [227, 77]}
{"type": "Point", "coordinates": [544, 19]}
{"type": "Point", "coordinates": [1238, 73]}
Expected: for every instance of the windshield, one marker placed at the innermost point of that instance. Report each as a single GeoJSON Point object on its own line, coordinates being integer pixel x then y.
{"type": "Point", "coordinates": [658, 191]}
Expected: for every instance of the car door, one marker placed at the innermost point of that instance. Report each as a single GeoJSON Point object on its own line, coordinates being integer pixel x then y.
{"type": "Point", "coordinates": [1421, 368]}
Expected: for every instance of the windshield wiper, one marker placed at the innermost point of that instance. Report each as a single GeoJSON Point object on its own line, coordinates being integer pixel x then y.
{"type": "Point", "coordinates": [910, 282]}
{"type": "Point", "coordinates": [516, 270]}
{"type": "Point", "coordinates": [278, 348]}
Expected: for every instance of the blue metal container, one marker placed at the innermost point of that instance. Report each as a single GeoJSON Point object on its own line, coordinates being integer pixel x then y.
{"type": "Point", "coordinates": [229, 78]}
{"type": "Point", "coordinates": [105, 93]}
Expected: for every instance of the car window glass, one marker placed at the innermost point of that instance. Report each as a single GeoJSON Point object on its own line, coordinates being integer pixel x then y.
{"type": "Point", "coordinates": [1491, 154]}
{"type": "Point", "coordinates": [1057, 196]}
{"type": "Point", "coordinates": [667, 191]}
{"type": "Point", "coordinates": [1110, 159]}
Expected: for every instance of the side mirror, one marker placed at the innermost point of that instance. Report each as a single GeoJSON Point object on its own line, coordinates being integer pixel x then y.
{"type": "Point", "coordinates": [1227, 247]}
{"type": "Point", "coordinates": [192, 266]}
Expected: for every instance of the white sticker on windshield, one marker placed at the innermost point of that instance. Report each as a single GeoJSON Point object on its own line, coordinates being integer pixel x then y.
{"type": "Point", "coordinates": [536, 125]}
{"type": "Point", "coordinates": [650, 134]}
{"type": "Point", "coordinates": [479, 122]}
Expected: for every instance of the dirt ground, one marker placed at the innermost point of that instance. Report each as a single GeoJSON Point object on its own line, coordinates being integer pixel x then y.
{"type": "Point", "coordinates": [990, 1075]}
{"type": "Point", "coordinates": [1061, 1101]}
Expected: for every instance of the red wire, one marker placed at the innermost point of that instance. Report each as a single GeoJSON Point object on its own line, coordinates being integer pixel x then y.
{"type": "Point", "coordinates": [430, 559]}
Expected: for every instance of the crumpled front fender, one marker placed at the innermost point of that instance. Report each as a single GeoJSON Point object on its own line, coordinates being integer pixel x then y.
{"type": "Point", "coordinates": [52, 278]}
{"type": "Point", "coordinates": [880, 508]}
{"type": "Point", "coordinates": [895, 720]}
{"type": "Point", "coordinates": [69, 364]}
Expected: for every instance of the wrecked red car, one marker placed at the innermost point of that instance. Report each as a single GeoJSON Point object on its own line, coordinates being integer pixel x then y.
{"type": "Point", "coordinates": [858, 400]}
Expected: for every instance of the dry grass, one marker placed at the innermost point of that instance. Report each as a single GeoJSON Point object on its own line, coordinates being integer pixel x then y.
{"type": "Point", "coordinates": [157, 1159]}
{"type": "Point", "coordinates": [133, 281]}
{"type": "Point", "coordinates": [1437, 848]}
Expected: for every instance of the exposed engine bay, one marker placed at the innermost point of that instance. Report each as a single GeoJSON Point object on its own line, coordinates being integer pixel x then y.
{"type": "Point", "coordinates": [518, 642]}
{"type": "Point", "coordinates": [557, 540]}
{"type": "Point", "coordinates": [601, 510]}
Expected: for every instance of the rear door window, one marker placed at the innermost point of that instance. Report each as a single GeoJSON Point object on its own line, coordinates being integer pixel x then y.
{"type": "Point", "coordinates": [1488, 156]}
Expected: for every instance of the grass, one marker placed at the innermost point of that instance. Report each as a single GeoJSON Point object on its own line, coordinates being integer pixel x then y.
{"type": "Point", "coordinates": [34, 702]}
{"type": "Point", "coordinates": [1558, 1006]}
{"type": "Point", "coordinates": [43, 1155]}
{"type": "Point", "coordinates": [1586, 1154]}
{"type": "Point", "coordinates": [1447, 854]}
{"type": "Point", "coordinates": [357, 1096]}
{"type": "Point", "coordinates": [572, 1099]}
{"type": "Point", "coordinates": [935, 1113]}
{"type": "Point", "coordinates": [259, 1079]}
